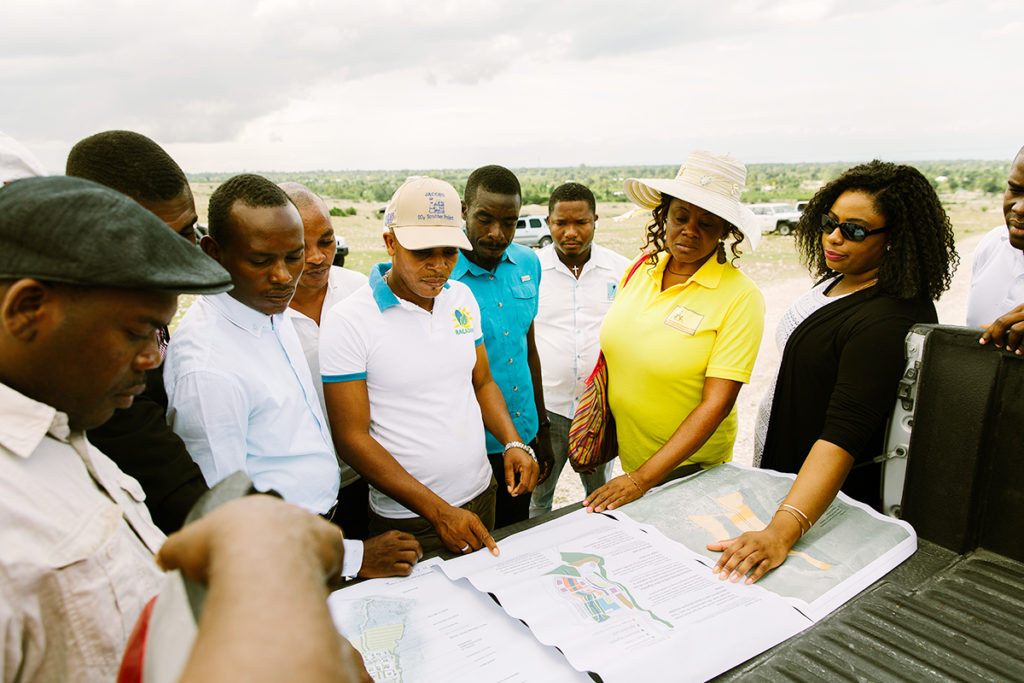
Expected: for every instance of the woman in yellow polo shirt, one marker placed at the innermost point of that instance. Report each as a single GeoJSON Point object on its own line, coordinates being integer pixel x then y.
{"type": "Point", "coordinates": [683, 333]}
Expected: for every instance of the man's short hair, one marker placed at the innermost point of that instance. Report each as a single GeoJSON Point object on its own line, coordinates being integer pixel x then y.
{"type": "Point", "coordinates": [252, 190]}
{"type": "Point", "coordinates": [497, 179]}
{"type": "Point", "coordinates": [302, 197]}
{"type": "Point", "coordinates": [130, 163]}
{"type": "Point", "coordinates": [572, 192]}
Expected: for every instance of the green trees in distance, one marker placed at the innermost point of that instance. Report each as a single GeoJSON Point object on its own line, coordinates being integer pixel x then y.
{"type": "Point", "coordinates": [765, 182]}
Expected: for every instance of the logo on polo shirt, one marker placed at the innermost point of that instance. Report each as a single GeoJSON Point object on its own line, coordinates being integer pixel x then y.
{"type": "Point", "coordinates": [684, 320]}
{"type": "Point", "coordinates": [463, 321]}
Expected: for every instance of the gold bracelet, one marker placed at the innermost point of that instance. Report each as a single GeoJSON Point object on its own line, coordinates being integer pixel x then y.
{"type": "Point", "coordinates": [799, 512]}
{"type": "Point", "coordinates": [798, 522]}
{"type": "Point", "coordinates": [634, 483]}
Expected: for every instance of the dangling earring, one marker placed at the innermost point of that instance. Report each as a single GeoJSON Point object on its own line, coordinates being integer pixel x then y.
{"type": "Point", "coordinates": [721, 252]}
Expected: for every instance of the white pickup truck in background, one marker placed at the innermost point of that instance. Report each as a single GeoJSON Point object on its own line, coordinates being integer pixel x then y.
{"type": "Point", "coordinates": [779, 218]}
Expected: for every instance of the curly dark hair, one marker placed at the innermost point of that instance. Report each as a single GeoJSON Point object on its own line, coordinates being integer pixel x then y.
{"type": "Point", "coordinates": [130, 163]}
{"type": "Point", "coordinates": [920, 252]}
{"type": "Point", "coordinates": [252, 190]}
{"type": "Point", "coordinates": [656, 232]}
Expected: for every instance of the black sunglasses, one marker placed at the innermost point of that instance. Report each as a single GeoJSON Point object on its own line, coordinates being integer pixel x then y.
{"type": "Point", "coordinates": [851, 231]}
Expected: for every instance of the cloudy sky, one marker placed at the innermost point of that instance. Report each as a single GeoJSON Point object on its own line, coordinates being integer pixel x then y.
{"type": "Point", "coordinates": [332, 84]}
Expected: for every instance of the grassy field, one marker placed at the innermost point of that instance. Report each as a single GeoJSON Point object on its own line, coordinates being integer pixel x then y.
{"type": "Point", "coordinates": [970, 214]}
{"type": "Point", "coordinates": [775, 258]}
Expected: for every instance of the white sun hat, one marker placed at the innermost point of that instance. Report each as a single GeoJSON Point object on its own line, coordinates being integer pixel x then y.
{"type": "Point", "coordinates": [711, 181]}
{"type": "Point", "coordinates": [425, 213]}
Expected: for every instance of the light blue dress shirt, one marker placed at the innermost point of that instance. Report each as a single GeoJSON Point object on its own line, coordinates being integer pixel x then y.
{"type": "Point", "coordinates": [241, 397]}
{"type": "Point", "coordinates": [508, 304]}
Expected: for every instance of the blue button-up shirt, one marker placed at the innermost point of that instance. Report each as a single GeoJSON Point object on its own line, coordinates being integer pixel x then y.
{"type": "Point", "coordinates": [508, 304]}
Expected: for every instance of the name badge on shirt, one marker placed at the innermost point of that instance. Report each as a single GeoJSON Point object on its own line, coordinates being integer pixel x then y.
{"type": "Point", "coordinates": [524, 278]}
{"type": "Point", "coordinates": [684, 320]}
{"type": "Point", "coordinates": [612, 288]}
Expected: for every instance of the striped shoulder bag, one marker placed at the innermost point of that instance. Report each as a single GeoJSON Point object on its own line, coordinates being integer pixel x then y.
{"type": "Point", "coordinates": [592, 440]}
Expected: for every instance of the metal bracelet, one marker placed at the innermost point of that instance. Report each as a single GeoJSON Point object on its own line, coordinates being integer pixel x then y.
{"type": "Point", "coordinates": [799, 512]}
{"type": "Point", "coordinates": [642, 492]}
{"type": "Point", "coordinates": [521, 445]}
{"type": "Point", "coordinates": [798, 522]}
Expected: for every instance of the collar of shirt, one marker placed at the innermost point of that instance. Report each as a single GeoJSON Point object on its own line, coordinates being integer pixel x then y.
{"type": "Point", "coordinates": [25, 422]}
{"type": "Point", "coordinates": [332, 286]}
{"type": "Point", "coordinates": [382, 294]}
{"type": "Point", "coordinates": [599, 258]}
{"type": "Point", "coordinates": [464, 265]}
{"type": "Point", "coordinates": [243, 317]}
{"type": "Point", "coordinates": [1016, 255]}
{"type": "Point", "coordinates": [708, 275]}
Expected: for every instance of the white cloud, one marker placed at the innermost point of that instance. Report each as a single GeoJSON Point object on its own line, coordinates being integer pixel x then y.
{"type": "Point", "coordinates": [283, 84]}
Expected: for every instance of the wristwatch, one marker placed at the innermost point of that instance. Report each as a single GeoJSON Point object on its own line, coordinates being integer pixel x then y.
{"type": "Point", "coordinates": [520, 444]}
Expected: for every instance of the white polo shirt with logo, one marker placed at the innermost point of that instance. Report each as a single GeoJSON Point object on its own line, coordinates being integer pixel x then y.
{"type": "Point", "coordinates": [418, 366]}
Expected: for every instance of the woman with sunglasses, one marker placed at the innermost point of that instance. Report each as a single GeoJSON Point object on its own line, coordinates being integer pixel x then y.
{"type": "Point", "coordinates": [882, 245]}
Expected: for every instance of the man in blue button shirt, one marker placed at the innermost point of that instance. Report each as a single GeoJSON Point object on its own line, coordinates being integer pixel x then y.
{"type": "Point", "coordinates": [504, 278]}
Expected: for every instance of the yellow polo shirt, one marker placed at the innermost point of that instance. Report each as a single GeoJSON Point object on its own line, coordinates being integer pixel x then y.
{"type": "Point", "coordinates": [661, 345]}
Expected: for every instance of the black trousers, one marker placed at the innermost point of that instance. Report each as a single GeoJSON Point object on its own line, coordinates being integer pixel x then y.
{"type": "Point", "coordinates": [508, 510]}
{"type": "Point", "coordinates": [352, 513]}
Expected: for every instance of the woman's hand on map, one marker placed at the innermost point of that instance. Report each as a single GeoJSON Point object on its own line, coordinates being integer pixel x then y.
{"type": "Point", "coordinates": [755, 552]}
{"type": "Point", "coordinates": [615, 493]}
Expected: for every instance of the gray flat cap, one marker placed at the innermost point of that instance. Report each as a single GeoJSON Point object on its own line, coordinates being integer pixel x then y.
{"type": "Point", "coordinates": [76, 231]}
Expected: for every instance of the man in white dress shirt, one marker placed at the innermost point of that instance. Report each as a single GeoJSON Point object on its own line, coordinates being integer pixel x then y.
{"type": "Point", "coordinates": [239, 390]}
{"type": "Point", "coordinates": [577, 285]}
{"type": "Point", "coordinates": [321, 286]}
{"type": "Point", "coordinates": [87, 277]}
{"type": "Point", "coordinates": [996, 297]}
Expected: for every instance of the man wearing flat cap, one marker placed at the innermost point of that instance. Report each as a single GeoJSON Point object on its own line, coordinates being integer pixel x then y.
{"type": "Point", "coordinates": [408, 386]}
{"type": "Point", "coordinates": [78, 330]}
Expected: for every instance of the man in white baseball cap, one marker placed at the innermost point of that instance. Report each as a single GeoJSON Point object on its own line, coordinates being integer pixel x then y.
{"type": "Point", "coordinates": [408, 386]}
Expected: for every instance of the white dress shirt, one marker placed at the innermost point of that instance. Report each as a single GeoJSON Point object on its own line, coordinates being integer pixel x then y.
{"type": "Point", "coordinates": [568, 321]}
{"type": "Point", "coordinates": [341, 282]}
{"type": "Point", "coordinates": [997, 279]}
{"type": "Point", "coordinates": [239, 394]}
{"type": "Point", "coordinates": [76, 549]}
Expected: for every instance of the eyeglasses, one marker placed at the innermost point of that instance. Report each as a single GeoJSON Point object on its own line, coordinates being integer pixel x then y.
{"type": "Point", "coordinates": [851, 231]}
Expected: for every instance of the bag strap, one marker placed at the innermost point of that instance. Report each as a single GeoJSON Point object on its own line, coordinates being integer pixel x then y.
{"type": "Point", "coordinates": [632, 269]}
{"type": "Point", "coordinates": [600, 354]}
